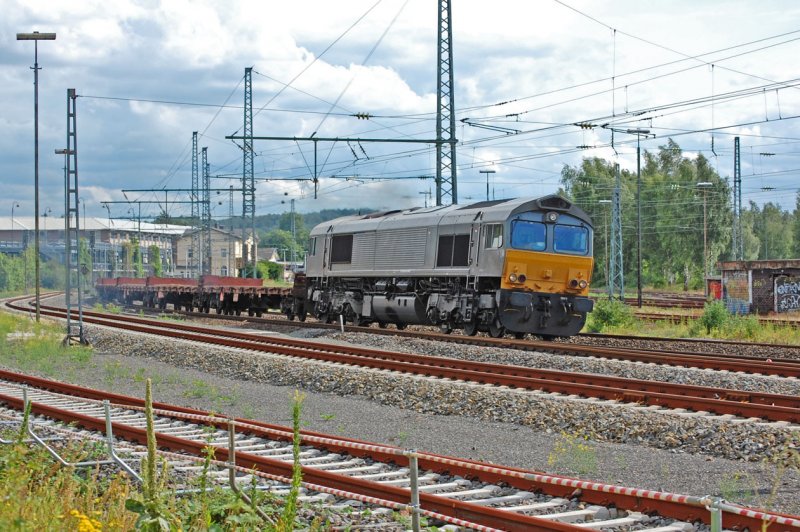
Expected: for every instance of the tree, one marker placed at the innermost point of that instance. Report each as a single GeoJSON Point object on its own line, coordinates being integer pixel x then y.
{"type": "Point", "coordinates": [796, 227]}
{"type": "Point", "coordinates": [154, 253]}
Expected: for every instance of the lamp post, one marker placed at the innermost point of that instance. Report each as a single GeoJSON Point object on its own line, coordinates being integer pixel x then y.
{"type": "Point", "coordinates": [46, 214]}
{"type": "Point", "coordinates": [605, 234]}
{"type": "Point", "coordinates": [704, 185]}
{"type": "Point", "coordinates": [487, 172]}
{"type": "Point", "coordinates": [639, 133]}
{"type": "Point", "coordinates": [36, 37]}
{"type": "Point", "coordinates": [14, 205]}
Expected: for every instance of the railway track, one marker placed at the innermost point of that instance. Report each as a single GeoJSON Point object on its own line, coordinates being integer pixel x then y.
{"type": "Point", "coordinates": [782, 367]}
{"type": "Point", "coordinates": [460, 492]}
{"type": "Point", "coordinates": [720, 401]}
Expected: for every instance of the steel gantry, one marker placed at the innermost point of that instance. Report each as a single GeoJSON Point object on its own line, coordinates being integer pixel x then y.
{"type": "Point", "coordinates": [195, 197]}
{"type": "Point", "coordinates": [248, 175]}
{"type": "Point", "coordinates": [206, 208]}
{"type": "Point", "coordinates": [616, 278]}
{"type": "Point", "coordinates": [74, 269]}
{"type": "Point", "coordinates": [737, 240]}
{"type": "Point", "coordinates": [446, 185]}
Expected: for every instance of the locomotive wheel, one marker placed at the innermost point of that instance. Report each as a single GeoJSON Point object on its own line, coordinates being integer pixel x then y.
{"type": "Point", "coordinates": [250, 312]}
{"type": "Point", "coordinates": [301, 316]}
{"type": "Point", "coordinates": [496, 330]}
{"type": "Point", "coordinates": [290, 317]}
{"type": "Point", "coordinates": [445, 328]}
{"type": "Point", "coordinates": [238, 312]}
{"type": "Point", "coordinates": [471, 328]}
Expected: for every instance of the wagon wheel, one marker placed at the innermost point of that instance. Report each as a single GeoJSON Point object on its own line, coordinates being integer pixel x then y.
{"type": "Point", "coordinates": [519, 335]}
{"type": "Point", "coordinates": [445, 328]}
{"type": "Point", "coordinates": [400, 326]}
{"type": "Point", "coordinates": [496, 330]}
{"type": "Point", "coordinates": [382, 324]}
{"type": "Point", "coordinates": [471, 328]}
{"type": "Point", "coordinates": [290, 317]}
{"type": "Point", "coordinates": [301, 316]}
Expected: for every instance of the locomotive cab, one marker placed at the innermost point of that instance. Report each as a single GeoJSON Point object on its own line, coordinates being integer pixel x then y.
{"type": "Point", "coordinates": [544, 287]}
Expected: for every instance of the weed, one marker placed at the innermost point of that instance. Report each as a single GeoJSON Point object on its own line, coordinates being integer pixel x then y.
{"type": "Point", "coordinates": [327, 417]}
{"type": "Point", "coordinates": [574, 453]}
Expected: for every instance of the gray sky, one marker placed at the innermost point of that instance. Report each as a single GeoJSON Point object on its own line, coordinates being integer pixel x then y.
{"type": "Point", "coordinates": [150, 72]}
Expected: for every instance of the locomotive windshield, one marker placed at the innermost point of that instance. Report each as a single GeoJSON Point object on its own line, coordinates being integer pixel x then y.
{"type": "Point", "coordinates": [571, 239]}
{"type": "Point", "coordinates": [528, 235]}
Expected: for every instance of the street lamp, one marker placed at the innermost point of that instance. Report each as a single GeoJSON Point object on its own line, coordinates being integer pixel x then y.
{"type": "Point", "coordinates": [46, 214]}
{"type": "Point", "coordinates": [639, 133]}
{"type": "Point", "coordinates": [36, 37]}
{"type": "Point", "coordinates": [14, 205]}
{"type": "Point", "coordinates": [487, 172]}
{"type": "Point", "coordinates": [605, 232]}
{"type": "Point", "coordinates": [704, 185]}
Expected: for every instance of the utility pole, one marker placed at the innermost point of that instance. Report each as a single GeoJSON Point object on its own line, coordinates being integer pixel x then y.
{"type": "Point", "coordinates": [206, 238]}
{"type": "Point", "coordinates": [248, 174]}
{"type": "Point", "coordinates": [737, 240]}
{"type": "Point", "coordinates": [72, 228]}
{"type": "Point", "coordinates": [196, 224]}
{"type": "Point", "coordinates": [230, 232]}
{"type": "Point", "coordinates": [294, 237]}
{"type": "Point", "coordinates": [617, 277]}
{"type": "Point", "coordinates": [446, 184]}
{"type": "Point", "coordinates": [704, 185]}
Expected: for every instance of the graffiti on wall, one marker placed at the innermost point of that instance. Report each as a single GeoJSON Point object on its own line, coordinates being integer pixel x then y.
{"type": "Point", "coordinates": [787, 294]}
{"type": "Point", "coordinates": [736, 291]}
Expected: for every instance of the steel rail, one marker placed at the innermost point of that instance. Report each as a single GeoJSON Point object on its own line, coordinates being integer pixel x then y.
{"type": "Point", "coordinates": [494, 517]}
{"type": "Point", "coordinates": [685, 508]}
{"type": "Point", "coordinates": [772, 407]}
{"type": "Point", "coordinates": [735, 363]}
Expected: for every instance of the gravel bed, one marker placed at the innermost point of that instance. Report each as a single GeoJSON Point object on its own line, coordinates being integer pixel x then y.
{"type": "Point", "coordinates": [596, 440]}
{"type": "Point", "coordinates": [577, 364]}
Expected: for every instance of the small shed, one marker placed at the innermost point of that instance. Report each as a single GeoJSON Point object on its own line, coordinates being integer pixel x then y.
{"type": "Point", "coordinates": [761, 286]}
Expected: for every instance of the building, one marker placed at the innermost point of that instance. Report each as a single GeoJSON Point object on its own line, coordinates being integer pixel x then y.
{"type": "Point", "coordinates": [107, 239]}
{"type": "Point", "coordinates": [761, 286]}
{"type": "Point", "coordinates": [226, 253]}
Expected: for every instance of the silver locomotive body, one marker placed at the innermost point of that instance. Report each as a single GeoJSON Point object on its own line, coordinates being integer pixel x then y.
{"type": "Point", "coordinates": [455, 267]}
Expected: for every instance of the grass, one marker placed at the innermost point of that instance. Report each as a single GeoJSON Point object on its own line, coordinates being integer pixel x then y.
{"type": "Point", "coordinates": [713, 322]}
{"type": "Point", "coordinates": [36, 347]}
{"type": "Point", "coordinates": [38, 494]}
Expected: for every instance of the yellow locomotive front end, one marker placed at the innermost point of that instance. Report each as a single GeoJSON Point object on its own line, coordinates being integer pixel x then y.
{"type": "Point", "coordinates": [546, 275]}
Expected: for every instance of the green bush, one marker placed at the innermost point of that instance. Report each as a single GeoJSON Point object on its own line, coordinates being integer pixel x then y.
{"type": "Point", "coordinates": [715, 316]}
{"type": "Point", "coordinates": [609, 313]}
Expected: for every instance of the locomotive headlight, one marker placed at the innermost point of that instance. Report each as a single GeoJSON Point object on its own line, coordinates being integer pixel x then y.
{"type": "Point", "coordinates": [513, 277]}
{"type": "Point", "coordinates": [551, 217]}
{"type": "Point", "coordinates": [573, 283]}
{"type": "Point", "coordinates": [582, 283]}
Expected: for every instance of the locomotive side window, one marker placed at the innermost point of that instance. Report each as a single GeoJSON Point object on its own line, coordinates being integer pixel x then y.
{"type": "Point", "coordinates": [571, 239]}
{"type": "Point", "coordinates": [453, 251]}
{"type": "Point", "coordinates": [312, 246]}
{"type": "Point", "coordinates": [493, 236]}
{"type": "Point", "coordinates": [342, 249]}
{"type": "Point", "coordinates": [528, 235]}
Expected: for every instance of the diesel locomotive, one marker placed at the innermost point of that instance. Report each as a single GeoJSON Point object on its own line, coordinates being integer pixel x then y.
{"type": "Point", "coordinates": [519, 266]}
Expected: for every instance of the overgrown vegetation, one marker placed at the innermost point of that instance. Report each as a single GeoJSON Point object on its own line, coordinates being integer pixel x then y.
{"type": "Point", "coordinates": [29, 346]}
{"type": "Point", "coordinates": [39, 494]}
{"type": "Point", "coordinates": [615, 317]}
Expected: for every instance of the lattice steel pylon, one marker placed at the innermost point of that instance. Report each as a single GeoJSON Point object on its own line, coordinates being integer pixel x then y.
{"type": "Point", "coordinates": [737, 240]}
{"type": "Point", "coordinates": [206, 222]}
{"type": "Point", "coordinates": [75, 332]}
{"type": "Point", "coordinates": [195, 199]}
{"type": "Point", "coordinates": [248, 174]}
{"type": "Point", "coordinates": [616, 277]}
{"type": "Point", "coordinates": [446, 183]}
